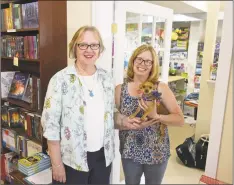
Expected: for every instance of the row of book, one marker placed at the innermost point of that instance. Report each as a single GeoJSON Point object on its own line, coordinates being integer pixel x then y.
{"type": "Point", "coordinates": [20, 46]}
{"type": "Point", "coordinates": [9, 162]}
{"type": "Point", "coordinates": [19, 143]}
{"type": "Point", "coordinates": [18, 16]}
{"type": "Point", "coordinates": [13, 117]}
{"type": "Point", "coordinates": [21, 86]}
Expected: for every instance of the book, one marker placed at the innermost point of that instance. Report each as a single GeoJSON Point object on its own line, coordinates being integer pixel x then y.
{"type": "Point", "coordinates": [19, 85]}
{"type": "Point", "coordinates": [9, 139]}
{"type": "Point", "coordinates": [28, 93]}
{"type": "Point", "coordinates": [30, 15]}
{"type": "Point", "coordinates": [4, 117]}
{"type": "Point", "coordinates": [43, 177]}
{"type": "Point", "coordinates": [16, 12]}
{"type": "Point", "coordinates": [6, 80]}
{"type": "Point", "coordinates": [33, 148]}
{"type": "Point", "coordinates": [37, 128]}
{"type": "Point", "coordinates": [34, 160]}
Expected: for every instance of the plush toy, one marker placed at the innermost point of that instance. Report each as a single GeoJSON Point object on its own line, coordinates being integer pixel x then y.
{"type": "Point", "coordinates": [147, 91]}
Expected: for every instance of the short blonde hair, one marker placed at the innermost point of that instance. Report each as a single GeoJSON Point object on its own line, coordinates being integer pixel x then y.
{"type": "Point", "coordinates": [153, 76]}
{"type": "Point", "coordinates": [79, 33]}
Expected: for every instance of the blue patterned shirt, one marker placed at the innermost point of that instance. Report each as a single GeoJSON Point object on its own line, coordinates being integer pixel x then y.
{"type": "Point", "coordinates": [143, 146]}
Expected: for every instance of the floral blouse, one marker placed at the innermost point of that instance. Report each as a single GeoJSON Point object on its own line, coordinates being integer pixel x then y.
{"type": "Point", "coordinates": [63, 116]}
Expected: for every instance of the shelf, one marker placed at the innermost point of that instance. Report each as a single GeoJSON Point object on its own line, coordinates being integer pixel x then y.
{"type": "Point", "coordinates": [179, 50]}
{"type": "Point", "coordinates": [19, 103]}
{"type": "Point", "coordinates": [21, 59]}
{"type": "Point", "coordinates": [211, 81]}
{"type": "Point", "coordinates": [20, 30]}
{"type": "Point", "coordinates": [175, 78]}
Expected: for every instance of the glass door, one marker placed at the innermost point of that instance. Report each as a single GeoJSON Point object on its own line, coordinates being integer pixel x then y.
{"type": "Point", "coordinates": [141, 23]}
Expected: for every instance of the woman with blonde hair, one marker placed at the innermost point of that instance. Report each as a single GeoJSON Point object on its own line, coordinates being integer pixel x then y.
{"type": "Point", "coordinates": [144, 146]}
{"type": "Point", "coordinates": [77, 118]}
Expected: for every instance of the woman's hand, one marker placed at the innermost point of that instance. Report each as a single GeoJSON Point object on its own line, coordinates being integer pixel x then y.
{"type": "Point", "coordinates": [146, 105]}
{"type": "Point", "coordinates": [130, 124]}
{"type": "Point", "coordinates": [59, 173]}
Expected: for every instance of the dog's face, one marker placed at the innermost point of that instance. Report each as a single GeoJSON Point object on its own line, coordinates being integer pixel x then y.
{"type": "Point", "coordinates": [147, 87]}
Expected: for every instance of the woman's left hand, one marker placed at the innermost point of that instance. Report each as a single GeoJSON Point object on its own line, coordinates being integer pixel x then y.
{"type": "Point", "coordinates": [145, 105]}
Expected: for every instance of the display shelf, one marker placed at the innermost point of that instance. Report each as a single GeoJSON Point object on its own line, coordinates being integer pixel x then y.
{"type": "Point", "coordinates": [175, 78]}
{"type": "Point", "coordinates": [211, 81]}
{"type": "Point", "coordinates": [20, 30]}
{"type": "Point", "coordinates": [22, 59]}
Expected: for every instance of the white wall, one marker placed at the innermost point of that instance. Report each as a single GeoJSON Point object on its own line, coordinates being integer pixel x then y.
{"type": "Point", "coordinates": [79, 13]}
{"type": "Point", "coordinates": [102, 18]}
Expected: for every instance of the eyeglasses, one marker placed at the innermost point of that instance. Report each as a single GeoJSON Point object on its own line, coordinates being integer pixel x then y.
{"type": "Point", "coordinates": [84, 46]}
{"type": "Point", "coordinates": [139, 60]}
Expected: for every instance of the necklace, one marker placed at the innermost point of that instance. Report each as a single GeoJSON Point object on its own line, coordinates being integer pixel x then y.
{"type": "Point", "coordinates": [91, 94]}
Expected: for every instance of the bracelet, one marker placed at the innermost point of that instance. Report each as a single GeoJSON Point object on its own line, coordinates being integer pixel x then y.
{"type": "Point", "coordinates": [57, 165]}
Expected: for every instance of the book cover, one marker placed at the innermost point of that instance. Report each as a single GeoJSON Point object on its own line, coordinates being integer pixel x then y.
{"type": "Point", "coordinates": [28, 93]}
{"type": "Point", "coordinates": [14, 118]}
{"type": "Point", "coordinates": [34, 160]}
{"type": "Point", "coordinates": [6, 80]}
{"type": "Point", "coordinates": [9, 139]}
{"type": "Point", "coordinates": [4, 117]}
{"type": "Point", "coordinates": [29, 117]}
{"type": "Point", "coordinates": [33, 148]}
{"type": "Point", "coordinates": [16, 10]}
{"type": "Point", "coordinates": [22, 119]}
{"type": "Point", "coordinates": [11, 161]}
{"type": "Point", "coordinates": [18, 85]}
{"type": "Point", "coordinates": [30, 15]}
{"type": "Point", "coordinates": [38, 128]}
{"type": "Point", "coordinates": [26, 47]}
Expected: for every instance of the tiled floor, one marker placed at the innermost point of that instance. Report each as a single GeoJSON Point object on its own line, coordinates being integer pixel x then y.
{"type": "Point", "coordinates": [176, 172]}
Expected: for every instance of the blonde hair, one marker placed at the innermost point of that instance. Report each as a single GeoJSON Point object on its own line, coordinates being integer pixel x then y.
{"type": "Point", "coordinates": [77, 36]}
{"type": "Point", "coordinates": [153, 76]}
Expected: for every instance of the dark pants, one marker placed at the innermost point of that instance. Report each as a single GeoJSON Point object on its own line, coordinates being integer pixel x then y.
{"type": "Point", "coordinates": [98, 172]}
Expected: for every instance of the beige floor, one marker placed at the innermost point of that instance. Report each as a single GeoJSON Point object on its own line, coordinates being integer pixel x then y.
{"type": "Point", "coordinates": [176, 172]}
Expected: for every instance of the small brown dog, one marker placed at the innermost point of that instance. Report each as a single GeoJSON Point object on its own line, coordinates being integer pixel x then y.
{"type": "Point", "coordinates": [148, 93]}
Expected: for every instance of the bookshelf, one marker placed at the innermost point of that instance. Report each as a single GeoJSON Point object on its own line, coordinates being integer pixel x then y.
{"type": "Point", "coordinates": [51, 56]}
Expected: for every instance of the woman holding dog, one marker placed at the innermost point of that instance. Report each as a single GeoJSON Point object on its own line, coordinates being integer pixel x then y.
{"type": "Point", "coordinates": [144, 144]}
{"type": "Point", "coordinates": [77, 118]}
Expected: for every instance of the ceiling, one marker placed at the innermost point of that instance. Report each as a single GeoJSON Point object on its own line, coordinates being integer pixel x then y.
{"type": "Point", "coordinates": [186, 7]}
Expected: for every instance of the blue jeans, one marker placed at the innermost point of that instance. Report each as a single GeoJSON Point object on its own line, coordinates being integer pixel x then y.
{"type": "Point", "coordinates": [133, 172]}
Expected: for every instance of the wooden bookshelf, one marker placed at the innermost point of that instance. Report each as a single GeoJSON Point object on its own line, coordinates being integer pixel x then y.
{"type": "Point", "coordinates": [52, 32]}
{"type": "Point", "coordinates": [52, 54]}
{"type": "Point", "coordinates": [19, 30]}
{"type": "Point", "coordinates": [21, 59]}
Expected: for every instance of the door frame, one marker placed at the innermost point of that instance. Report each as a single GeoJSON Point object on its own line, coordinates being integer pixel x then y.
{"type": "Point", "coordinates": [220, 92]}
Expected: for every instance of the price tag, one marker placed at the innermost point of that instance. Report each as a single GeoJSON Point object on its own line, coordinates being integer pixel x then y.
{"type": "Point", "coordinates": [16, 61]}
{"type": "Point", "coordinates": [11, 30]}
{"type": "Point", "coordinates": [114, 28]}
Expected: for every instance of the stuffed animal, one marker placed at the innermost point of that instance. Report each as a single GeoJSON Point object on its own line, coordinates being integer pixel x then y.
{"type": "Point", "coordinates": [148, 92]}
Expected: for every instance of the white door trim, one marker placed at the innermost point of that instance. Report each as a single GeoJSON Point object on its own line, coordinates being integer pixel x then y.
{"type": "Point", "coordinates": [220, 92]}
